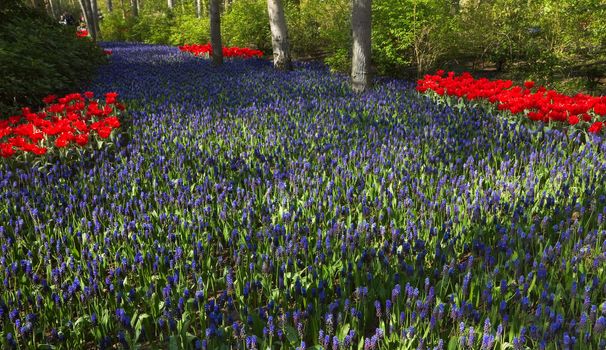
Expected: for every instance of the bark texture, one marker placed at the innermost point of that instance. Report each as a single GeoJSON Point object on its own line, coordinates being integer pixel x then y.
{"type": "Point", "coordinates": [361, 30]}
{"type": "Point", "coordinates": [95, 16]}
{"type": "Point", "coordinates": [85, 6]}
{"type": "Point", "coordinates": [215, 32]}
{"type": "Point", "coordinates": [51, 9]}
{"type": "Point", "coordinates": [134, 7]}
{"type": "Point", "coordinates": [279, 35]}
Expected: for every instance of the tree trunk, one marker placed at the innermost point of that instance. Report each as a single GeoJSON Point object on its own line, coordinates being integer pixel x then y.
{"type": "Point", "coordinates": [109, 5]}
{"type": "Point", "coordinates": [171, 4]}
{"type": "Point", "coordinates": [215, 32]}
{"type": "Point", "coordinates": [279, 35]}
{"type": "Point", "coordinates": [361, 28]}
{"type": "Point", "coordinates": [198, 9]}
{"type": "Point", "coordinates": [87, 12]}
{"type": "Point", "coordinates": [51, 9]}
{"type": "Point", "coordinates": [95, 16]}
{"type": "Point", "coordinates": [134, 8]}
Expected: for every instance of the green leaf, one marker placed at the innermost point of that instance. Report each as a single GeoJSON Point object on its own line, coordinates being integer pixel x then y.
{"type": "Point", "coordinates": [292, 335]}
{"type": "Point", "coordinates": [173, 343]}
{"type": "Point", "coordinates": [344, 331]}
{"type": "Point", "coordinates": [361, 343]}
{"type": "Point", "coordinates": [453, 343]}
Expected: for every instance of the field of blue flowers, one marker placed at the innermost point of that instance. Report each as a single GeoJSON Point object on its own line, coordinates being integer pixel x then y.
{"type": "Point", "coordinates": [245, 208]}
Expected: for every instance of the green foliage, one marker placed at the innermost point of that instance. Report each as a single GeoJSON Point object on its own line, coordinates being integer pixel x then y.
{"type": "Point", "coordinates": [546, 40]}
{"type": "Point", "coordinates": [39, 57]}
{"type": "Point", "coordinates": [190, 30]}
{"type": "Point", "coordinates": [155, 27]}
{"type": "Point", "coordinates": [409, 33]}
{"type": "Point", "coordinates": [246, 23]}
{"type": "Point", "coordinates": [116, 28]}
{"type": "Point", "coordinates": [339, 61]}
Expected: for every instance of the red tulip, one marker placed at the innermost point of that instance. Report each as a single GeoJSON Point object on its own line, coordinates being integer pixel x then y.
{"type": "Point", "coordinates": [596, 127]}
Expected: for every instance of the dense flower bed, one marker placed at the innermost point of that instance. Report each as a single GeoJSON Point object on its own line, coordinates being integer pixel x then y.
{"type": "Point", "coordinates": [206, 50]}
{"type": "Point", "coordinates": [251, 209]}
{"type": "Point", "coordinates": [66, 121]}
{"type": "Point", "coordinates": [538, 104]}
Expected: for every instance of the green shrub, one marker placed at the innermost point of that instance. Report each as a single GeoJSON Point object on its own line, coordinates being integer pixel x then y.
{"type": "Point", "coordinates": [304, 28]}
{"type": "Point", "coordinates": [155, 28]}
{"type": "Point", "coordinates": [39, 56]}
{"type": "Point", "coordinates": [410, 35]}
{"type": "Point", "coordinates": [246, 23]}
{"type": "Point", "coordinates": [116, 28]}
{"type": "Point", "coordinates": [339, 60]}
{"type": "Point", "coordinates": [190, 30]}
{"type": "Point", "coordinates": [322, 28]}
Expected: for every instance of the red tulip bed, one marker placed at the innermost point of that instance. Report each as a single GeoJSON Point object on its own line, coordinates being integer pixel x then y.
{"type": "Point", "coordinates": [537, 104]}
{"type": "Point", "coordinates": [206, 50]}
{"type": "Point", "coordinates": [82, 33]}
{"type": "Point", "coordinates": [70, 121]}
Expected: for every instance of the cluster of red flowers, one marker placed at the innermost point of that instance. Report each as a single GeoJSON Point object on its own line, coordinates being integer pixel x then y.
{"type": "Point", "coordinates": [71, 119]}
{"type": "Point", "coordinates": [107, 52]}
{"type": "Point", "coordinates": [538, 104]}
{"type": "Point", "coordinates": [82, 33]}
{"type": "Point", "coordinates": [206, 49]}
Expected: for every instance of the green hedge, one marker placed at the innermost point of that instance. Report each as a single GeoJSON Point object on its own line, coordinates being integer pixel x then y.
{"type": "Point", "coordinates": [39, 56]}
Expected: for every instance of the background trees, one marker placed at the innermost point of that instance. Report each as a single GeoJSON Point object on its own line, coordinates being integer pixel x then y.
{"type": "Point", "coordinates": [562, 42]}
{"type": "Point", "coordinates": [89, 18]}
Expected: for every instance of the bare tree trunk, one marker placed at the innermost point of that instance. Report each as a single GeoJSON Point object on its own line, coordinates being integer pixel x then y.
{"type": "Point", "coordinates": [171, 4]}
{"type": "Point", "coordinates": [123, 7]}
{"type": "Point", "coordinates": [95, 17]}
{"type": "Point", "coordinates": [361, 28]}
{"type": "Point", "coordinates": [215, 32]}
{"type": "Point", "coordinates": [198, 9]}
{"type": "Point", "coordinates": [109, 5]}
{"type": "Point", "coordinates": [87, 12]}
{"type": "Point", "coordinates": [134, 8]}
{"type": "Point", "coordinates": [51, 9]}
{"type": "Point", "coordinates": [279, 35]}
